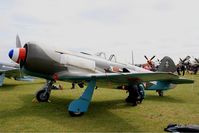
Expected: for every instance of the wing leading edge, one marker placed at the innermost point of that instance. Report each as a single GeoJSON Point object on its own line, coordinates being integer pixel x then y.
{"type": "Point", "coordinates": [142, 77]}
{"type": "Point", "coordinates": [125, 78]}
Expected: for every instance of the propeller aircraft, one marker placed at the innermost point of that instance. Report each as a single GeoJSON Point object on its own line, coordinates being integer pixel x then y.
{"type": "Point", "coordinates": [149, 65]}
{"type": "Point", "coordinates": [10, 70]}
{"type": "Point", "coordinates": [191, 65]}
{"type": "Point", "coordinates": [53, 65]}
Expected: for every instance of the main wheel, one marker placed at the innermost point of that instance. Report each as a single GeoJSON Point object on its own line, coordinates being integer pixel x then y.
{"type": "Point", "coordinates": [75, 114]}
{"type": "Point", "coordinates": [42, 96]}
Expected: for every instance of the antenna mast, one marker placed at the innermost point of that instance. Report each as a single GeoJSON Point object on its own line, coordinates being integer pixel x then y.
{"type": "Point", "coordinates": [132, 57]}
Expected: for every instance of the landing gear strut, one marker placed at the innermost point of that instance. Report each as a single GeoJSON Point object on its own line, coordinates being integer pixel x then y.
{"type": "Point", "coordinates": [80, 106]}
{"type": "Point", "coordinates": [160, 93]}
{"type": "Point", "coordinates": [44, 94]}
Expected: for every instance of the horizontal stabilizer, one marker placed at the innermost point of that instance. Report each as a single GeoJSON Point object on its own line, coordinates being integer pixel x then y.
{"type": "Point", "coordinates": [182, 81]}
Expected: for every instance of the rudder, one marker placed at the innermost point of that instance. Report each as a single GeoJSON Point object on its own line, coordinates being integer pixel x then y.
{"type": "Point", "coordinates": [167, 65]}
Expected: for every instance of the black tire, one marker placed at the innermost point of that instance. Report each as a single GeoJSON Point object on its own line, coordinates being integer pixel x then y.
{"type": "Point", "coordinates": [135, 103]}
{"type": "Point", "coordinates": [140, 101]}
{"type": "Point", "coordinates": [42, 96]}
{"type": "Point", "coordinates": [75, 114]}
{"type": "Point", "coordinates": [81, 85]}
{"type": "Point", "coordinates": [128, 100]}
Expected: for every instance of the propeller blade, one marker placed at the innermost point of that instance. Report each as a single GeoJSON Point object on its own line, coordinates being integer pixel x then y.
{"type": "Point", "coordinates": [197, 60]}
{"type": "Point", "coordinates": [186, 58]}
{"type": "Point", "coordinates": [18, 42]}
{"type": "Point", "coordinates": [181, 60]}
{"type": "Point", "coordinates": [146, 58]}
{"type": "Point", "coordinates": [152, 57]}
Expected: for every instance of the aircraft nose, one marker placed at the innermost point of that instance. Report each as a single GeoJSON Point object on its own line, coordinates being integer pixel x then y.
{"type": "Point", "coordinates": [17, 54]}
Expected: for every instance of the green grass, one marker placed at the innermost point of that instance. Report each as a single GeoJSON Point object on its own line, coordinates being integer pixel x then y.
{"type": "Point", "coordinates": [107, 113]}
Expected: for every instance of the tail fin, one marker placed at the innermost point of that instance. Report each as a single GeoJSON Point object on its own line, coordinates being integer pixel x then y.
{"type": "Point", "coordinates": [167, 65]}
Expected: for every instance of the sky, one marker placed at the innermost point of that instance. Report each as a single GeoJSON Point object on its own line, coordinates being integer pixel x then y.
{"type": "Point", "coordinates": [146, 27]}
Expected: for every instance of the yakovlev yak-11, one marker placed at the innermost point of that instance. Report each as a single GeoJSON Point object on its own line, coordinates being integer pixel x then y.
{"type": "Point", "coordinates": [52, 65]}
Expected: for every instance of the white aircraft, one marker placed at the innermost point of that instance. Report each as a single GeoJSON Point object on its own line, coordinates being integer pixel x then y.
{"type": "Point", "coordinates": [76, 67]}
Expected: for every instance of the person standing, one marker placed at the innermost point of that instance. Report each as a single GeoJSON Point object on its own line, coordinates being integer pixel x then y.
{"type": "Point", "coordinates": [178, 69]}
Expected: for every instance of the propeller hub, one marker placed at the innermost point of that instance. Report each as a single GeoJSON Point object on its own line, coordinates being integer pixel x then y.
{"type": "Point", "coordinates": [17, 54]}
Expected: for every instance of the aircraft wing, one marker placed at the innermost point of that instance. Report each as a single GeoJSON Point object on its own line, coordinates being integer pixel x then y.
{"type": "Point", "coordinates": [182, 81]}
{"type": "Point", "coordinates": [12, 71]}
{"type": "Point", "coordinates": [124, 78]}
{"type": "Point", "coordinates": [6, 72]}
{"type": "Point", "coordinates": [143, 77]}
{"type": "Point", "coordinates": [9, 71]}
{"type": "Point", "coordinates": [15, 73]}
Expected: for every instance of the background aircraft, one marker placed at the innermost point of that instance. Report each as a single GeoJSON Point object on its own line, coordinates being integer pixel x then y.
{"type": "Point", "coordinates": [191, 66]}
{"type": "Point", "coordinates": [12, 70]}
{"type": "Point", "coordinates": [70, 66]}
{"type": "Point", "coordinates": [154, 65]}
{"type": "Point", "coordinates": [8, 70]}
{"type": "Point", "coordinates": [150, 64]}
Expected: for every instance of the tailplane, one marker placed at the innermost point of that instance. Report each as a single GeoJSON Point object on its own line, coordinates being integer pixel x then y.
{"type": "Point", "coordinates": [167, 65]}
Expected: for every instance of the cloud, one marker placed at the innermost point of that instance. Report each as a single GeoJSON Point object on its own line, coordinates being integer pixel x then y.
{"type": "Point", "coordinates": [145, 26]}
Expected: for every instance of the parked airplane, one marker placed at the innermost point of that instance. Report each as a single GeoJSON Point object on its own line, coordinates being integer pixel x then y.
{"type": "Point", "coordinates": [70, 66]}
{"type": "Point", "coordinates": [190, 65]}
{"type": "Point", "coordinates": [149, 65]}
{"type": "Point", "coordinates": [5, 67]}
{"type": "Point", "coordinates": [12, 70]}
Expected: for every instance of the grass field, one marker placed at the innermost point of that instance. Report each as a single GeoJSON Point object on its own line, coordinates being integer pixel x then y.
{"type": "Point", "coordinates": [107, 113]}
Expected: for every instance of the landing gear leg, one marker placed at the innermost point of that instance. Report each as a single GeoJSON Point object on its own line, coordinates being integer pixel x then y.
{"type": "Point", "coordinates": [160, 93]}
{"type": "Point", "coordinates": [80, 106]}
{"type": "Point", "coordinates": [44, 94]}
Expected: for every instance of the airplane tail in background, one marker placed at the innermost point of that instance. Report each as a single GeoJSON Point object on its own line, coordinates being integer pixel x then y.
{"type": "Point", "coordinates": [167, 65]}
